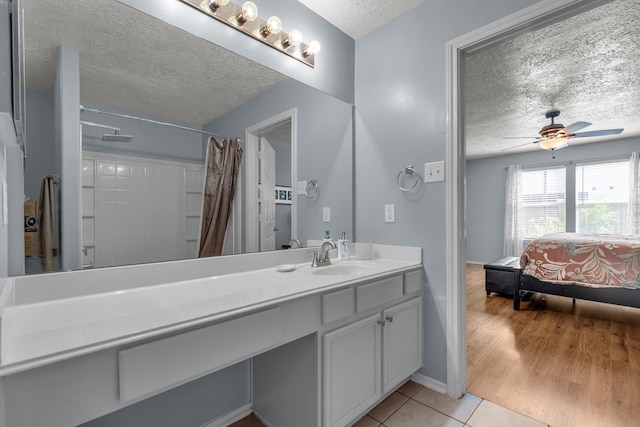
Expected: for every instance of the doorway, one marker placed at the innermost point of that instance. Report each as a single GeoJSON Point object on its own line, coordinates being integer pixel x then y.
{"type": "Point", "coordinates": [270, 219]}
{"type": "Point", "coordinates": [533, 17]}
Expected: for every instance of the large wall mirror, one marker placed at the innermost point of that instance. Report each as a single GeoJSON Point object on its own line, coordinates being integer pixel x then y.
{"type": "Point", "coordinates": [149, 180]}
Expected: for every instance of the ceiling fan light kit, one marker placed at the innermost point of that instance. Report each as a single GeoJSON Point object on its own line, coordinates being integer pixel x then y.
{"type": "Point", "coordinates": [554, 143]}
{"type": "Point", "coordinates": [556, 136]}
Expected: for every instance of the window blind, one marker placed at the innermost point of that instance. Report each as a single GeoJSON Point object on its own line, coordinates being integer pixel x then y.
{"type": "Point", "coordinates": [602, 197]}
{"type": "Point", "coordinates": [543, 202]}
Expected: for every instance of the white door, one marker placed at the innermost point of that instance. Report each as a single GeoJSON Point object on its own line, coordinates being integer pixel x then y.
{"type": "Point", "coordinates": [266, 196]}
{"type": "Point", "coordinates": [351, 371]}
{"type": "Point", "coordinates": [402, 342]}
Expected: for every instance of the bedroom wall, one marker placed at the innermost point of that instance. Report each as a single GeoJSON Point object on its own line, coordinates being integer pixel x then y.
{"type": "Point", "coordinates": [486, 182]}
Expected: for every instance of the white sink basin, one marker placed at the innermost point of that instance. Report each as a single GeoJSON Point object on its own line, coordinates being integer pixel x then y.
{"type": "Point", "coordinates": [342, 269]}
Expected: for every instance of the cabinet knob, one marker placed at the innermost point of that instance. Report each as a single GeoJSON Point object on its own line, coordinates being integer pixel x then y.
{"type": "Point", "coordinates": [389, 319]}
{"type": "Point", "coordinates": [381, 322]}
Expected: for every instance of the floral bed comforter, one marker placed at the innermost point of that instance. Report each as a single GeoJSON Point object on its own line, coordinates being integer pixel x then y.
{"type": "Point", "coordinates": [594, 260]}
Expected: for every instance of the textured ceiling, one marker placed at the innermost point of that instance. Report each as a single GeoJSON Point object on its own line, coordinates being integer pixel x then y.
{"type": "Point", "coordinates": [356, 18]}
{"type": "Point", "coordinates": [587, 66]}
{"type": "Point", "coordinates": [132, 61]}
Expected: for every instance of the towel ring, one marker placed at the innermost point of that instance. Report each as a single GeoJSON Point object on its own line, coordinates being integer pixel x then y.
{"type": "Point", "coordinates": [405, 175]}
{"type": "Point", "coordinates": [312, 189]}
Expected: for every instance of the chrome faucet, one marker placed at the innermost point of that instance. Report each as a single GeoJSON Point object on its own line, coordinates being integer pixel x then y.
{"type": "Point", "coordinates": [295, 242]}
{"type": "Point", "coordinates": [323, 258]}
{"type": "Point", "coordinates": [324, 253]}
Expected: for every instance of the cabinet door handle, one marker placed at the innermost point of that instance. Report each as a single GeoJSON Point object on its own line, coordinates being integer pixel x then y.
{"type": "Point", "coordinates": [381, 322]}
{"type": "Point", "coordinates": [389, 319]}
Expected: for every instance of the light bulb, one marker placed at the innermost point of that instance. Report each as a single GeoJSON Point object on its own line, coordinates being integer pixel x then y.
{"type": "Point", "coordinates": [274, 26]}
{"type": "Point", "coordinates": [249, 12]}
{"type": "Point", "coordinates": [294, 39]}
{"type": "Point", "coordinates": [215, 4]}
{"type": "Point", "coordinates": [313, 48]}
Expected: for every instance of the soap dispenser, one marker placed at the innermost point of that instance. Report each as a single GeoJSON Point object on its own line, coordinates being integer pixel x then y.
{"type": "Point", "coordinates": [343, 247]}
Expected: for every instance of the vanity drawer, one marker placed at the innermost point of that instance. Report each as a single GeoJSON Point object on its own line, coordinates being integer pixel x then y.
{"type": "Point", "coordinates": [159, 365]}
{"type": "Point", "coordinates": [412, 282]}
{"type": "Point", "coordinates": [338, 305]}
{"type": "Point", "coordinates": [378, 293]}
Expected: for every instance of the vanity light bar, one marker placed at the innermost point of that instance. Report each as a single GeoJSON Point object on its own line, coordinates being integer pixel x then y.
{"type": "Point", "coordinates": [245, 19]}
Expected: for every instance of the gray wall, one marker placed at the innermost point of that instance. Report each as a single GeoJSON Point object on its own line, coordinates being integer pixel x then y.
{"type": "Point", "coordinates": [5, 58]}
{"type": "Point", "coordinates": [150, 140]}
{"type": "Point", "coordinates": [324, 150]}
{"type": "Point", "coordinates": [401, 120]}
{"type": "Point", "coordinates": [194, 404]}
{"type": "Point", "coordinates": [486, 182]}
{"type": "Point", "coordinates": [333, 72]}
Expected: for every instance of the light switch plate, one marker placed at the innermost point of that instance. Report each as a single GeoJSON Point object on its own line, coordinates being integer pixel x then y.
{"type": "Point", "coordinates": [389, 213]}
{"type": "Point", "coordinates": [434, 172]}
{"type": "Point", "coordinates": [326, 214]}
{"type": "Point", "coordinates": [302, 187]}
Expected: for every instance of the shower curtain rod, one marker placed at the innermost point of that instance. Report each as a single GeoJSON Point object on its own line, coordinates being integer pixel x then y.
{"type": "Point", "coordinates": [93, 110]}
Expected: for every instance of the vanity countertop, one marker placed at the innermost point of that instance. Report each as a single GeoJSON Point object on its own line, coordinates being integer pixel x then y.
{"type": "Point", "coordinates": [39, 332]}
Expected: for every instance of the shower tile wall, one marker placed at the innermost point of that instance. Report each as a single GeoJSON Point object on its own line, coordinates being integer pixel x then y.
{"type": "Point", "coordinates": [144, 211]}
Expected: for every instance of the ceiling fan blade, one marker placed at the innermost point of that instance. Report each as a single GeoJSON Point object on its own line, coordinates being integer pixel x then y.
{"type": "Point", "coordinates": [598, 133]}
{"type": "Point", "coordinates": [519, 145]}
{"type": "Point", "coordinates": [575, 127]}
{"type": "Point", "coordinates": [520, 137]}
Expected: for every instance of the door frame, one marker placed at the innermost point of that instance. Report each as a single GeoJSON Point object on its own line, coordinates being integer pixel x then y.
{"type": "Point", "coordinates": [252, 138]}
{"type": "Point", "coordinates": [533, 17]}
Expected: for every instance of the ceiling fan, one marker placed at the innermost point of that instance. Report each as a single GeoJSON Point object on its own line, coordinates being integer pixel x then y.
{"type": "Point", "coordinates": [555, 135]}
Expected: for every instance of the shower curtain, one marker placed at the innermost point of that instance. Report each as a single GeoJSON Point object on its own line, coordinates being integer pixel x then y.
{"type": "Point", "coordinates": [223, 164]}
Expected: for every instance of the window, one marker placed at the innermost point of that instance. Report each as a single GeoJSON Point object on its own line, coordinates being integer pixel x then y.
{"type": "Point", "coordinates": [543, 202]}
{"type": "Point", "coordinates": [602, 197]}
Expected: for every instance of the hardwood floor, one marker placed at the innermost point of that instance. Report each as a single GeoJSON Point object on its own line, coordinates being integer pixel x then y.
{"type": "Point", "coordinates": [563, 364]}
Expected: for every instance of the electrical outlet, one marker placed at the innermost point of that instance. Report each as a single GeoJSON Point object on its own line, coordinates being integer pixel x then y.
{"type": "Point", "coordinates": [389, 213]}
{"type": "Point", "coordinates": [434, 172]}
{"type": "Point", "coordinates": [326, 214]}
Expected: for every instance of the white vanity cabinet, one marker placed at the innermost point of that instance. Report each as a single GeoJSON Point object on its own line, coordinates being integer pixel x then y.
{"type": "Point", "coordinates": [324, 349]}
{"type": "Point", "coordinates": [366, 359]}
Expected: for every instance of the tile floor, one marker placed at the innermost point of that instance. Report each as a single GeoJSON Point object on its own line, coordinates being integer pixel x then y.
{"type": "Point", "coordinates": [413, 405]}
{"type": "Point", "coordinates": [416, 406]}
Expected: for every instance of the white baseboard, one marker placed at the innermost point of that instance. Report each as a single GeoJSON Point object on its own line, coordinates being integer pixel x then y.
{"type": "Point", "coordinates": [429, 382]}
{"type": "Point", "coordinates": [231, 417]}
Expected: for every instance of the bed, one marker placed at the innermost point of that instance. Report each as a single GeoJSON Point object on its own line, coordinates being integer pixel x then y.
{"type": "Point", "coordinates": [595, 267]}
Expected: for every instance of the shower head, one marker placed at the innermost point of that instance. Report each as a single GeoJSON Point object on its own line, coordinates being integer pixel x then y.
{"type": "Point", "coordinates": [108, 137]}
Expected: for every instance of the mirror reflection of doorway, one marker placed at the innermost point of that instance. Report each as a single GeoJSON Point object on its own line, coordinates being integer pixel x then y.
{"type": "Point", "coordinates": [270, 218]}
{"type": "Point", "coordinates": [276, 221]}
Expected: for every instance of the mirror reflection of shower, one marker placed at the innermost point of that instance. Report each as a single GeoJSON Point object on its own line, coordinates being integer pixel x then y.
{"type": "Point", "coordinates": [110, 137]}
